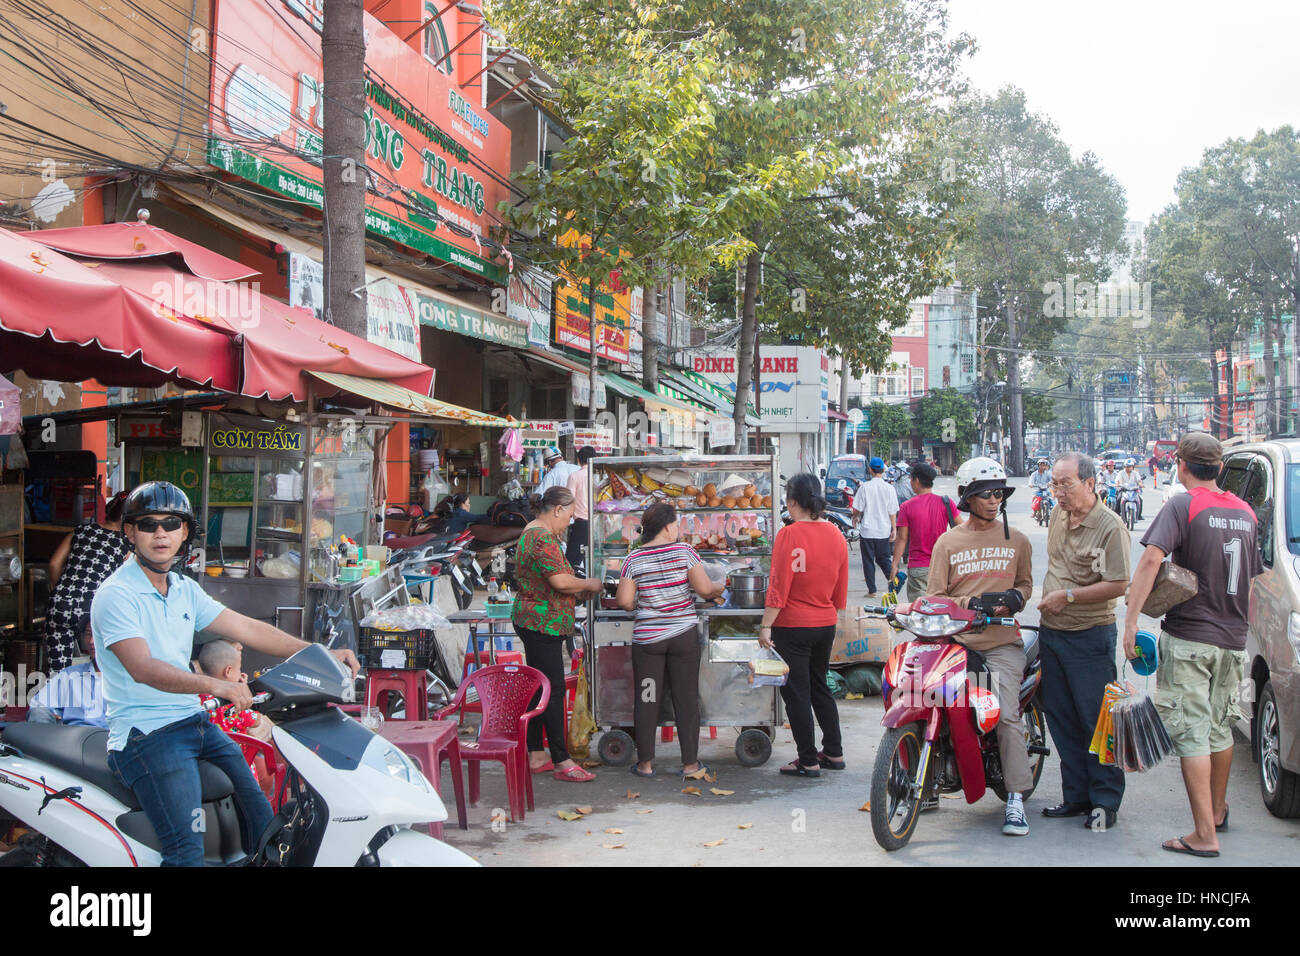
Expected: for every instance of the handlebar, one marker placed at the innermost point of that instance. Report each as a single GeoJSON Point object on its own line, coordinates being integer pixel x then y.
{"type": "Point", "coordinates": [216, 703]}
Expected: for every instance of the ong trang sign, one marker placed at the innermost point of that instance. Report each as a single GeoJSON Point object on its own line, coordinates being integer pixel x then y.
{"type": "Point", "coordinates": [792, 384]}
{"type": "Point", "coordinates": [428, 151]}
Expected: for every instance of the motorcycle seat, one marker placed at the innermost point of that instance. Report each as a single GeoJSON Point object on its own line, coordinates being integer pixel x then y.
{"type": "Point", "coordinates": [83, 752]}
{"type": "Point", "coordinates": [491, 535]}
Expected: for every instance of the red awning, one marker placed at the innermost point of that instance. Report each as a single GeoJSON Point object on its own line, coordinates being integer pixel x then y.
{"type": "Point", "coordinates": [836, 416]}
{"type": "Point", "coordinates": [139, 240]}
{"type": "Point", "coordinates": [60, 319]}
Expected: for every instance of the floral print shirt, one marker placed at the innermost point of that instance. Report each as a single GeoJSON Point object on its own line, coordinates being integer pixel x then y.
{"type": "Point", "coordinates": [538, 606]}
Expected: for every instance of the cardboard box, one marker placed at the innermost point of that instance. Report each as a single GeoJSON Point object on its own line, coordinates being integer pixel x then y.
{"type": "Point", "coordinates": [861, 642]}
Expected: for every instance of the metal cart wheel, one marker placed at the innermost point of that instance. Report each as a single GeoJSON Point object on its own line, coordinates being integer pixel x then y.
{"type": "Point", "coordinates": [616, 748]}
{"type": "Point", "coordinates": [753, 747]}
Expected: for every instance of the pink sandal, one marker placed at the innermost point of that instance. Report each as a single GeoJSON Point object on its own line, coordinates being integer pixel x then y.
{"type": "Point", "coordinates": [544, 768]}
{"type": "Point", "coordinates": [574, 775]}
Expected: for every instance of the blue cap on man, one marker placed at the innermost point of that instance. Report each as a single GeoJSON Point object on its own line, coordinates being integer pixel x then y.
{"type": "Point", "coordinates": [877, 464]}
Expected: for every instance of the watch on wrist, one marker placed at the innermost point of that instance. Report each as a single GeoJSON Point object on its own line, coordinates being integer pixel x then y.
{"type": "Point", "coordinates": [1069, 595]}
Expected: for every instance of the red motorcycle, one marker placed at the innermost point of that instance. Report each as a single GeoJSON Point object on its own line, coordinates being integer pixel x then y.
{"type": "Point", "coordinates": [942, 711]}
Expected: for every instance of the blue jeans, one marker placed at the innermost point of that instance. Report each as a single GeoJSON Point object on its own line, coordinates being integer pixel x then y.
{"type": "Point", "coordinates": [162, 769]}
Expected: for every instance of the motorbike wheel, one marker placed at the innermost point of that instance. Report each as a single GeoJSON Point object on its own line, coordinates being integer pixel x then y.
{"type": "Point", "coordinates": [895, 801]}
{"type": "Point", "coordinates": [1035, 729]}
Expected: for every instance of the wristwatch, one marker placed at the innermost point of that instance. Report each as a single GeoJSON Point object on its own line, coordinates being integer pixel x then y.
{"type": "Point", "coordinates": [1069, 595]}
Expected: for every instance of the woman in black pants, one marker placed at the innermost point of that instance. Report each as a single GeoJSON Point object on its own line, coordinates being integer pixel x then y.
{"type": "Point", "coordinates": [543, 618]}
{"type": "Point", "coordinates": [659, 581]}
{"type": "Point", "coordinates": [809, 585]}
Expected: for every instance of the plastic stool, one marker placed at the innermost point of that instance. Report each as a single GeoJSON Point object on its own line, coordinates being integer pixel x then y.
{"type": "Point", "coordinates": [666, 734]}
{"type": "Point", "coordinates": [412, 686]}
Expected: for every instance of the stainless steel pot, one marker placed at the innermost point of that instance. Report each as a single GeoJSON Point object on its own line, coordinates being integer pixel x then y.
{"type": "Point", "coordinates": [748, 589]}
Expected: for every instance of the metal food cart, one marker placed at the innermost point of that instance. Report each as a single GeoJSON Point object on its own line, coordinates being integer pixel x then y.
{"type": "Point", "coordinates": [735, 530]}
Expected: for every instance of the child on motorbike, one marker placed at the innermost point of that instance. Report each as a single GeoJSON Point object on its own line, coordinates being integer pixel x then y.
{"type": "Point", "coordinates": [224, 661]}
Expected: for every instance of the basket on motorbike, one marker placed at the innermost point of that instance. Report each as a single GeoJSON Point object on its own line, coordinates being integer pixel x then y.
{"type": "Point", "coordinates": [397, 650]}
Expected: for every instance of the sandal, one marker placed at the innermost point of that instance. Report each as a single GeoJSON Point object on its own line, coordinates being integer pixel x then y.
{"type": "Point", "coordinates": [544, 768]}
{"type": "Point", "coordinates": [637, 771]}
{"type": "Point", "coordinates": [830, 763]}
{"type": "Point", "coordinates": [1184, 847]}
{"type": "Point", "coordinates": [795, 769]}
{"type": "Point", "coordinates": [1224, 825]}
{"type": "Point", "coordinates": [574, 775]}
{"type": "Point", "coordinates": [702, 772]}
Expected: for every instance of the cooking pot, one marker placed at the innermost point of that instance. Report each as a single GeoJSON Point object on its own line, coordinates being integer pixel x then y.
{"type": "Point", "coordinates": [748, 589]}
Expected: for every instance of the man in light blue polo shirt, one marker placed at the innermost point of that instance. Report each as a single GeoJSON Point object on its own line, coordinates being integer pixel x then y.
{"type": "Point", "coordinates": [146, 616]}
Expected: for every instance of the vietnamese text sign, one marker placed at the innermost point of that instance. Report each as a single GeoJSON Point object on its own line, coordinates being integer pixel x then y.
{"type": "Point", "coordinates": [574, 314]}
{"type": "Point", "coordinates": [528, 302]}
{"type": "Point", "coordinates": [601, 439]}
{"type": "Point", "coordinates": [580, 383]}
{"type": "Point", "coordinates": [792, 384]}
{"type": "Point", "coordinates": [427, 148]}
{"type": "Point", "coordinates": [722, 431]}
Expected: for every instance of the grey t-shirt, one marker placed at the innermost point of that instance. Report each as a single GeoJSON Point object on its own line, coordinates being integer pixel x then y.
{"type": "Point", "coordinates": [1212, 533]}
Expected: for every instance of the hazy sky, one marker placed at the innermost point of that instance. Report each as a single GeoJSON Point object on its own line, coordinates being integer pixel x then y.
{"type": "Point", "coordinates": [1147, 85]}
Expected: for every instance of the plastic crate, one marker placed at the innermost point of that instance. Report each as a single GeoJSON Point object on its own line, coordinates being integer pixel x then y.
{"type": "Point", "coordinates": [418, 648]}
{"type": "Point", "coordinates": [500, 610]}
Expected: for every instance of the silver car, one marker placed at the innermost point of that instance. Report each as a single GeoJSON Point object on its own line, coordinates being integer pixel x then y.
{"type": "Point", "coordinates": [1266, 475]}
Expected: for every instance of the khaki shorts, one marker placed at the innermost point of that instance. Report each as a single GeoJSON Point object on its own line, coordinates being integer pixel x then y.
{"type": "Point", "coordinates": [918, 579]}
{"type": "Point", "coordinates": [1197, 689]}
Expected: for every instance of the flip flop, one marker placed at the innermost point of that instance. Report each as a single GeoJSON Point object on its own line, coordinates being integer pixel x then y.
{"type": "Point", "coordinates": [1224, 825]}
{"type": "Point", "coordinates": [700, 774]}
{"type": "Point", "coordinates": [574, 775]}
{"type": "Point", "coordinates": [544, 768]}
{"type": "Point", "coordinates": [1184, 848]}
{"type": "Point", "coordinates": [795, 769]}
{"type": "Point", "coordinates": [830, 763]}
{"type": "Point", "coordinates": [636, 771]}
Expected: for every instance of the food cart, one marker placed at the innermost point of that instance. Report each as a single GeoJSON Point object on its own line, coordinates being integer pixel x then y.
{"type": "Point", "coordinates": [728, 510]}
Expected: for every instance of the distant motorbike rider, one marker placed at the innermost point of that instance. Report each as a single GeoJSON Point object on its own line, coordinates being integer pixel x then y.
{"type": "Point", "coordinates": [971, 560]}
{"type": "Point", "coordinates": [1108, 479]}
{"type": "Point", "coordinates": [1130, 479]}
{"type": "Point", "coordinates": [1040, 483]}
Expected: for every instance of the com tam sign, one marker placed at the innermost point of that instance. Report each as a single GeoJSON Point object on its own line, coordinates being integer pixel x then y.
{"type": "Point", "coordinates": [434, 159]}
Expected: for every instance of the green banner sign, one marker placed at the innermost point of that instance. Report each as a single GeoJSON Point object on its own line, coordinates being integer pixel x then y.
{"type": "Point", "coordinates": [471, 322]}
{"type": "Point", "coordinates": [268, 175]}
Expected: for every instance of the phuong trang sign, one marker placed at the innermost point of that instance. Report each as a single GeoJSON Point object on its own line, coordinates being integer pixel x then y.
{"type": "Point", "coordinates": [428, 151]}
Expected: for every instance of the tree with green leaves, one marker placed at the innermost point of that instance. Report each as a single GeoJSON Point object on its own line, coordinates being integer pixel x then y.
{"type": "Point", "coordinates": [1040, 219]}
{"type": "Point", "coordinates": [948, 417]}
{"type": "Point", "coordinates": [889, 423]}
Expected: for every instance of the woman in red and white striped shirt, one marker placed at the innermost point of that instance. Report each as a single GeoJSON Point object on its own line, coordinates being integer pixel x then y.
{"type": "Point", "coordinates": [659, 581]}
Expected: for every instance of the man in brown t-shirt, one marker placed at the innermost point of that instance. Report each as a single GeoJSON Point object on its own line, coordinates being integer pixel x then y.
{"type": "Point", "coordinates": [975, 558]}
{"type": "Point", "coordinates": [1203, 640]}
{"type": "Point", "coordinates": [1087, 569]}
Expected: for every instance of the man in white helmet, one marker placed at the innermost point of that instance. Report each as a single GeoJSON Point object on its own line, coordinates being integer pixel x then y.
{"type": "Point", "coordinates": [1130, 478]}
{"type": "Point", "coordinates": [982, 556]}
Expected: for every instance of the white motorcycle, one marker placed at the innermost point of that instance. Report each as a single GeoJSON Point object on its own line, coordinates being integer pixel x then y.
{"type": "Point", "coordinates": [350, 797]}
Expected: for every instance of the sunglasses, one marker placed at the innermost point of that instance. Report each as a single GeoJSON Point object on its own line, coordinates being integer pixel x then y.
{"type": "Point", "coordinates": [150, 525]}
{"type": "Point", "coordinates": [994, 493]}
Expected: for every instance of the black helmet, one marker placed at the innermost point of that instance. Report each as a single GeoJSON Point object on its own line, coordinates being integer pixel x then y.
{"type": "Point", "coordinates": [159, 498]}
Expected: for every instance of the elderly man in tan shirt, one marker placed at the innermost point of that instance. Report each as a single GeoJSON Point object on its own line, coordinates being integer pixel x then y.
{"type": "Point", "coordinates": [1087, 569]}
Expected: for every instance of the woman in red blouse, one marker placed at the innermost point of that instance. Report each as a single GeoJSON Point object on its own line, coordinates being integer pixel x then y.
{"type": "Point", "coordinates": [808, 588]}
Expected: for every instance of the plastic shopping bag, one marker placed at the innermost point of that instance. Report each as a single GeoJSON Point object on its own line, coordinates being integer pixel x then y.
{"type": "Point", "coordinates": [581, 723]}
{"type": "Point", "coordinates": [1103, 737]}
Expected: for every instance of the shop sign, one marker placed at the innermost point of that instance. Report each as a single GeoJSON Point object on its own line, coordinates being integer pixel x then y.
{"type": "Point", "coordinates": [722, 431]}
{"type": "Point", "coordinates": [390, 309]}
{"type": "Point", "coordinates": [528, 302]}
{"type": "Point", "coordinates": [242, 439]}
{"type": "Point", "coordinates": [428, 153]}
{"type": "Point", "coordinates": [601, 439]}
{"type": "Point", "coordinates": [580, 390]}
{"type": "Point", "coordinates": [574, 314]}
{"type": "Point", "coordinates": [479, 325]}
{"type": "Point", "coordinates": [540, 434]}
{"type": "Point", "coordinates": [793, 383]}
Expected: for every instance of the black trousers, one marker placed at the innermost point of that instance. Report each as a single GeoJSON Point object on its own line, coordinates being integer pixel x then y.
{"type": "Point", "coordinates": [808, 652]}
{"type": "Point", "coordinates": [669, 667]}
{"type": "Point", "coordinates": [577, 541]}
{"type": "Point", "coordinates": [1077, 666]}
{"type": "Point", "coordinates": [876, 551]}
{"type": "Point", "coordinates": [546, 653]}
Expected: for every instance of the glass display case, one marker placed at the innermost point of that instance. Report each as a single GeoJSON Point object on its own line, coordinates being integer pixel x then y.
{"type": "Point", "coordinates": [342, 460]}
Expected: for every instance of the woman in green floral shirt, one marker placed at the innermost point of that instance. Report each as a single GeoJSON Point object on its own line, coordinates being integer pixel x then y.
{"type": "Point", "coordinates": [543, 618]}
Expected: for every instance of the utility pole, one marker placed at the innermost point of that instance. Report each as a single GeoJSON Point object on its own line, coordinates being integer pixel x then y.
{"type": "Point", "coordinates": [343, 52]}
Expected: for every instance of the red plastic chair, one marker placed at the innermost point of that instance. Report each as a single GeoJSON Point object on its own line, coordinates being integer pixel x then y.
{"type": "Point", "coordinates": [504, 692]}
{"type": "Point", "coordinates": [276, 768]}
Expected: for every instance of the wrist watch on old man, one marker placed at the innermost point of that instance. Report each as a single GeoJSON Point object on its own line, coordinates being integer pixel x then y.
{"type": "Point", "coordinates": [1069, 595]}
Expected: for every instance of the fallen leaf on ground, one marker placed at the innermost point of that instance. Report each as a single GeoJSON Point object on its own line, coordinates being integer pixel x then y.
{"type": "Point", "coordinates": [866, 807]}
{"type": "Point", "coordinates": [632, 795]}
{"type": "Point", "coordinates": [720, 793]}
{"type": "Point", "coordinates": [715, 843]}
{"type": "Point", "coordinates": [743, 826]}
{"type": "Point", "coordinates": [583, 809]}
{"type": "Point", "coordinates": [613, 846]}
{"type": "Point", "coordinates": [591, 763]}
{"type": "Point", "coordinates": [568, 815]}
{"type": "Point", "coordinates": [613, 830]}
{"type": "Point", "coordinates": [693, 791]}
{"type": "Point", "coordinates": [852, 696]}
{"type": "Point", "coordinates": [698, 775]}
{"type": "Point", "coordinates": [645, 811]}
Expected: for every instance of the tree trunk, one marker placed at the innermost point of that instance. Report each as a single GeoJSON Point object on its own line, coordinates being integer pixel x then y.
{"type": "Point", "coordinates": [1216, 403]}
{"type": "Point", "coordinates": [745, 347]}
{"type": "Point", "coordinates": [844, 407]}
{"type": "Point", "coordinates": [650, 337]}
{"type": "Point", "coordinates": [344, 171]}
{"type": "Point", "coordinates": [1270, 377]}
{"type": "Point", "coordinates": [1016, 464]}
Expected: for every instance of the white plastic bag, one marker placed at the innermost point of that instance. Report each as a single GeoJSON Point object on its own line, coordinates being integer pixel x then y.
{"type": "Point", "coordinates": [411, 617]}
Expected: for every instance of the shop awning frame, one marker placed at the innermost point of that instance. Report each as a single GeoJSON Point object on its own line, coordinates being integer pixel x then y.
{"type": "Point", "coordinates": [395, 396]}
{"type": "Point", "coordinates": [631, 390]}
{"type": "Point", "coordinates": [707, 391]}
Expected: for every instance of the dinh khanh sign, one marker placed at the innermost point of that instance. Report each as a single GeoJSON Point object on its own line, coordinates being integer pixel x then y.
{"type": "Point", "coordinates": [428, 149]}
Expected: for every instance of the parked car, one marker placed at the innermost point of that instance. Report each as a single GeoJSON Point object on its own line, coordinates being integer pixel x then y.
{"type": "Point", "coordinates": [1266, 475]}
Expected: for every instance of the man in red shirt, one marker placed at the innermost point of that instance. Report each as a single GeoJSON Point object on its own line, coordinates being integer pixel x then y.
{"type": "Point", "coordinates": [921, 519]}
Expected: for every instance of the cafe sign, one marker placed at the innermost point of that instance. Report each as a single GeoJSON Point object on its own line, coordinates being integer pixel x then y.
{"type": "Point", "coordinates": [279, 438]}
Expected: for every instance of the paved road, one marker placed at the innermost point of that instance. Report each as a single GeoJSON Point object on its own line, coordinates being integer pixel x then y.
{"type": "Point", "coordinates": [818, 822]}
